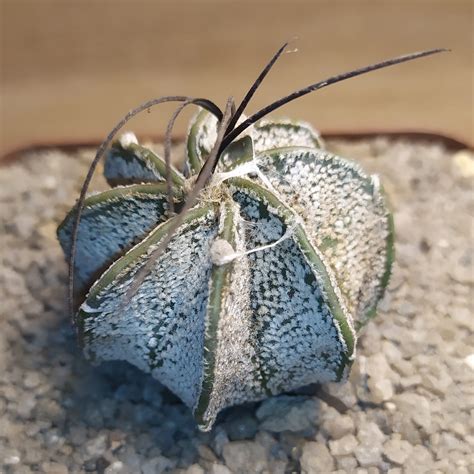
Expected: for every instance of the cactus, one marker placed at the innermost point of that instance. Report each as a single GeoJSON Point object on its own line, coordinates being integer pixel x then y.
{"type": "Point", "coordinates": [245, 273]}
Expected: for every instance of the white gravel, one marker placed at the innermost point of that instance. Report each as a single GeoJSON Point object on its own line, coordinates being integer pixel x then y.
{"type": "Point", "coordinates": [410, 395]}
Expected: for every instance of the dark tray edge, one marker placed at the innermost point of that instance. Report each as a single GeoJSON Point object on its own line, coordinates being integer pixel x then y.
{"type": "Point", "coordinates": [450, 142]}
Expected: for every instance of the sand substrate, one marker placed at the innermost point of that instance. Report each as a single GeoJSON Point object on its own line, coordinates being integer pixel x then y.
{"type": "Point", "coordinates": [410, 394]}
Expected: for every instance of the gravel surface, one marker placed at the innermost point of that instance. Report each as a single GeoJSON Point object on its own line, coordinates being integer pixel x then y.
{"type": "Point", "coordinates": [410, 394]}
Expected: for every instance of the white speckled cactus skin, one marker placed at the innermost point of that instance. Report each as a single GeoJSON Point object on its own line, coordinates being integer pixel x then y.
{"type": "Point", "coordinates": [307, 252]}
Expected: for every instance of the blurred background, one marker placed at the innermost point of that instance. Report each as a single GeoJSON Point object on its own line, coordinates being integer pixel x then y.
{"type": "Point", "coordinates": [70, 69]}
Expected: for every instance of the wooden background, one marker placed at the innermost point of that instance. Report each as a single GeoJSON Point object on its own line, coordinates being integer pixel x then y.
{"type": "Point", "coordinates": [70, 69]}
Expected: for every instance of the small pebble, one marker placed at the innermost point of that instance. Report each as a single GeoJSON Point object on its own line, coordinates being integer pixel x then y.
{"type": "Point", "coordinates": [245, 456]}
{"type": "Point", "coordinates": [219, 469]}
{"type": "Point", "coordinates": [338, 426]}
{"type": "Point", "coordinates": [243, 427]}
{"type": "Point", "coordinates": [343, 446]}
{"type": "Point", "coordinates": [408, 396]}
{"type": "Point", "coordinates": [397, 450]}
{"type": "Point", "coordinates": [316, 458]}
{"type": "Point", "coordinates": [371, 438]}
{"type": "Point", "coordinates": [288, 413]}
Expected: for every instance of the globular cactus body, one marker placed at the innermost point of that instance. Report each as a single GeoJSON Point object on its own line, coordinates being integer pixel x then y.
{"type": "Point", "coordinates": [263, 285]}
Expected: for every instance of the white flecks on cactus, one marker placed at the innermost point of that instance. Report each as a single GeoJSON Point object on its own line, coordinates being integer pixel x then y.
{"type": "Point", "coordinates": [232, 375]}
{"type": "Point", "coordinates": [111, 223]}
{"type": "Point", "coordinates": [274, 331]}
{"type": "Point", "coordinates": [207, 135]}
{"type": "Point", "coordinates": [161, 328]}
{"type": "Point", "coordinates": [269, 135]}
{"type": "Point", "coordinates": [258, 290]}
{"type": "Point", "coordinates": [345, 215]}
{"type": "Point", "coordinates": [122, 166]}
{"type": "Point", "coordinates": [136, 164]}
{"type": "Point", "coordinates": [296, 338]}
{"type": "Point", "coordinates": [202, 135]}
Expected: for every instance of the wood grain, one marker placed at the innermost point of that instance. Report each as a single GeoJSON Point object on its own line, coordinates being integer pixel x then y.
{"type": "Point", "coordinates": [71, 68]}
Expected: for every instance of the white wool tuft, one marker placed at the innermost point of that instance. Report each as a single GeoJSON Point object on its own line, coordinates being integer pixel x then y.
{"type": "Point", "coordinates": [221, 252]}
{"type": "Point", "coordinates": [127, 139]}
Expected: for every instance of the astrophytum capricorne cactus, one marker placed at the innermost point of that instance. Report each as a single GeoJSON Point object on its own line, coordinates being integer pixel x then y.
{"type": "Point", "coordinates": [255, 288]}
